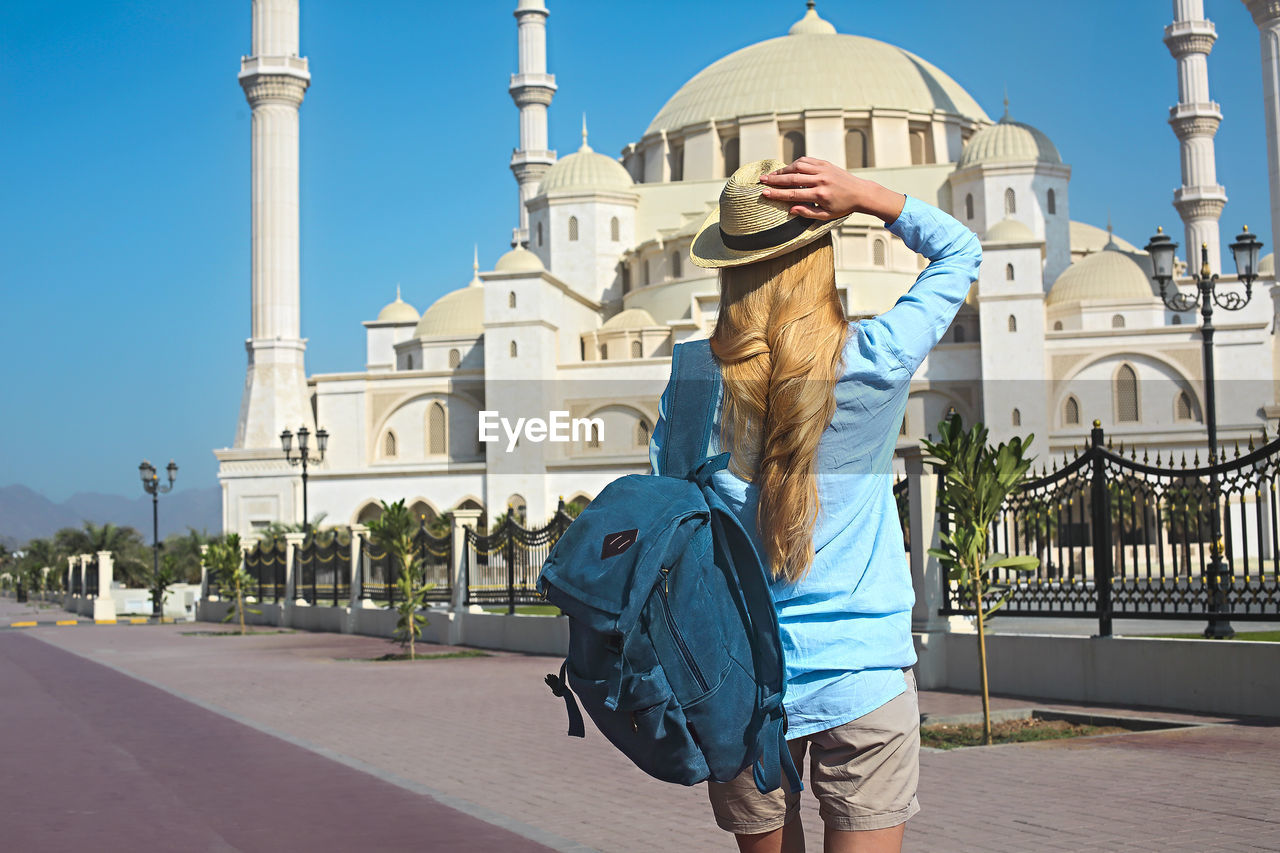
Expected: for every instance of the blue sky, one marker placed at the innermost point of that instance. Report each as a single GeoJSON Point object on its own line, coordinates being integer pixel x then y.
{"type": "Point", "coordinates": [124, 228]}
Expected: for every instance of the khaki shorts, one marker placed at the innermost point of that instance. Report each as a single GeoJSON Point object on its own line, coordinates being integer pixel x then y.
{"type": "Point", "coordinates": [864, 774]}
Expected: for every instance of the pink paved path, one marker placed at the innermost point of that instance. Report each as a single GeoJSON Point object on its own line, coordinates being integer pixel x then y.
{"type": "Point", "coordinates": [485, 735]}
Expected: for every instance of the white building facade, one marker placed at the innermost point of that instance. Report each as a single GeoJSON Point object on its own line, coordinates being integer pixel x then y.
{"type": "Point", "coordinates": [1062, 328]}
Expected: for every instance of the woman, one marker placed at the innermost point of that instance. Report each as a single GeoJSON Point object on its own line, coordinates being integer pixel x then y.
{"type": "Point", "coordinates": [810, 411]}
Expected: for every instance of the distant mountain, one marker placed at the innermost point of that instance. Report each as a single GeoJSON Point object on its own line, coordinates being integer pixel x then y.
{"type": "Point", "coordinates": [26, 514]}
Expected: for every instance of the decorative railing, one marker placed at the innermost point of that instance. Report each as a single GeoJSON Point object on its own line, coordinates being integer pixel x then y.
{"type": "Point", "coordinates": [502, 566]}
{"type": "Point", "coordinates": [380, 573]}
{"type": "Point", "coordinates": [1123, 536]}
{"type": "Point", "coordinates": [266, 563]}
{"type": "Point", "coordinates": [322, 568]}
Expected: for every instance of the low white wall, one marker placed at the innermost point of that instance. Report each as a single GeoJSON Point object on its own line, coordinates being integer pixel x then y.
{"type": "Point", "coordinates": [1208, 676]}
{"type": "Point", "coordinates": [539, 635]}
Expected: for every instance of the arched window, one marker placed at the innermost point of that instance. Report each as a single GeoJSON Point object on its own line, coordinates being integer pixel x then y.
{"type": "Point", "coordinates": [968, 206]}
{"type": "Point", "coordinates": [515, 350]}
{"type": "Point", "coordinates": [1010, 202]}
{"type": "Point", "coordinates": [582, 348]}
{"type": "Point", "coordinates": [642, 433]}
{"type": "Point", "coordinates": [1052, 205]}
{"type": "Point", "coordinates": [1071, 412]}
{"type": "Point", "coordinates": [1126, 395]}
{"type": "Point", "coordinates": [1057, 325]}
{"type": "Point", "coordinates": [1117, 321]}
{"type": "Point", "coordinates": [959, 334]}
{"type": "Point", "coordinates": [408, 362]}
{"type": "Point", "coordinates": [676, 270]}
{"type": "Point", "coordinates": [877, 253]}
{"type": "Point", "coordinates": [389, 445]}
{"type": "Point", "coordinates": [511, 299]}
{"type": "Point", "coordinates": [1177, 320]}
{"type": "Point", "coordinates": [604, 352]}
{"type": "Point", "coordinates": [644, 267]}
{"type": "Point", "coordinates": [917, 147]}
{"type": "Point", "coordinates": [677, 162]}
{"type": "Point", "coordinates": [902, 428]}
{"type": "Point", "coordinates": [730, 156]}
{"type": "Point", "coordinates": [371, 511]}
{"type": "Point", "coordinates": [539, 232]}
{"type": "Point", "coordinates": [1008, 272]}
{"type": "Point", "coordinates": [792, 146]}
{"type": "Point", "coordinates": [593, 433]}
{"type": "Point", "coordinates": [855, 149]}
{"type": "Point", "coordinates": [1017, 417]}
{"type": "Point", "coordinates": [1013, 323]}
{"type": "Point", "coordinates": [636, 350]}
{"type": "Point", "coordinates": [455, 358]}
{"type": "Point", "coordinates": [437, 430]}
{"type": "Point", "coordinates": [1182, 407]}
{"type": "Point", "coordinates": [573, 228]}
{"type": "Point", "coordinates": [614, 230]}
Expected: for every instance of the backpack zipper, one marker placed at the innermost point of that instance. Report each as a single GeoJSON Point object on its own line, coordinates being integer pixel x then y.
{"type": "Point", "coordinates": [671, 624]}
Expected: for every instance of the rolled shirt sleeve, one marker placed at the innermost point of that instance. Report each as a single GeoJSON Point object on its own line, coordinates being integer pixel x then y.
{"type": "Point", "coordinates": [920, 318]}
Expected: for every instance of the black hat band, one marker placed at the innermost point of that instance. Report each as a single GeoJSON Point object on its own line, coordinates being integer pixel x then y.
{"type": "Point", "coordinates": [769, 238]}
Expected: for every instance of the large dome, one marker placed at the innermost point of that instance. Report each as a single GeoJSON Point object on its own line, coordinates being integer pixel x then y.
{"type": "Point", "coordinates": [459, 313]}
{"type": "Point", "coordinates": [814, 67]}
{"type": "Point", "coordinates": [1109, 274]}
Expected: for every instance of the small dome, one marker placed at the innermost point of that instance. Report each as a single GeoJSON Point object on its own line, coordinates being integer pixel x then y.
{"type": "Point", "coordinates": [398, 311]}
{"type": "Point", "coordinates": [456, 314]}
{"type": "Point", "coordinates": [1267, 264]}
{"type": "Point", "coordinates": [632, 318]}
{"type": "Point", "coordinates": [1109, 274]}
{"type": "Point", "coordinates": [519, 259]}
{"type": "Point", "coordinates": [1010, 231]}
{"type": "Point", "coordinates": [1008, 141]}
{"type": "Point", "coordinates": [585, 170]}
{"type": "Point", "coordinates": [812, 25]}
{"type": "Point", "coordinates": [1090, 238]}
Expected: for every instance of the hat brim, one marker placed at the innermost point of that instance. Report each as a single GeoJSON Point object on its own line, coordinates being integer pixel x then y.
{"type": "Point", "coordinates": [709, 251]}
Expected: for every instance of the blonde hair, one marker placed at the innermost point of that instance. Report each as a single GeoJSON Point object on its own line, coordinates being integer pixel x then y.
{"type": "Point", "coordinates": [780, 342]}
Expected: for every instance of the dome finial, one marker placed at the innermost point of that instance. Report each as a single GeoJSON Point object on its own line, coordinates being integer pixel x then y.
{"type": "Point", "coordinates": [1111, 237]}
{"type": "Point", "coordinates": [475, 265]}
{"type": "Point", "coordinates": [398, 299]}
{"type": "Point", "coordinates": [585, 146]}
{"type": "Point", "coordinates": [1006, 103]}
{"type": "Point", "coordinates": [811, 24]}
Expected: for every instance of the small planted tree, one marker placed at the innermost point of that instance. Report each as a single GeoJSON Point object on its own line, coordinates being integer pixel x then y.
{"type": "Point", "coordinates": [394, 532]}
{"type": "Point", "coordinates": [164, 579]}
{"type": "Point", "coordinates": [977, 478]}
{"type": "Point", "coordinates": [223, 558]}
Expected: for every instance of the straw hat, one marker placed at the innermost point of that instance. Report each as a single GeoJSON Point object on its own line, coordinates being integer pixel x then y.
{"type": "Point", "coordinates": [745, 227]}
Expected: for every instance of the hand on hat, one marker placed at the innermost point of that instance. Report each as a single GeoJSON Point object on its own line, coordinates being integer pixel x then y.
{"type": "Point", "coordinates": [822, 190]}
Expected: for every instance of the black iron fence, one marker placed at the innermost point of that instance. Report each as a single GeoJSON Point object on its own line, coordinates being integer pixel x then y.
{"type": "Point", "coordinates": [265, 563]}
{"type": "Point", "coordinates": [380, 573]}
{"type": "Point", "coordinates": [502, 566]}
{"type": "Point", "coordinates": [76, 587]}
{"type": "Point", "coordinates": [322, 568]}
{"type": "Point", "coordinates": [91, 576]}
{"type": "Point", "coordinates": [1123, 536]}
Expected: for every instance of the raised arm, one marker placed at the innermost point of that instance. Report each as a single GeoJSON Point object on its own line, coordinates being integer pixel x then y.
{"type": "Point", "coordinates": [821, 190]}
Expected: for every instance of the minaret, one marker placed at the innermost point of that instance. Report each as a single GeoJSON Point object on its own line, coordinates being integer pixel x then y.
{"type": "Point", "coordinates": [274, 79]}
{"type": "Point", "coordinates": [1266, 14]}
{"type": "Point", "coordinates": [1195, 120]}
{"type": "Point", "coordinates": [532, 89]}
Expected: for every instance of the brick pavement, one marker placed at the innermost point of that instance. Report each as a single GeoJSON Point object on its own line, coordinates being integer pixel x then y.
{"type": "Point", "coordinates": [486, 735]}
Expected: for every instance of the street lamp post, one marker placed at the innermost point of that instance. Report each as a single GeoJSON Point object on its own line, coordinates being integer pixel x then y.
{"type": "Point", "coordinates": [303, 457]}
{"type": "Point", "coordinates": [1245, 252]}
{"type": "Point", "coordinates": [151, 483]}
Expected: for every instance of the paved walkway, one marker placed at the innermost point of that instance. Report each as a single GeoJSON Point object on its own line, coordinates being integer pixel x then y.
{"type": "Point", "coordinates": [484, 736]}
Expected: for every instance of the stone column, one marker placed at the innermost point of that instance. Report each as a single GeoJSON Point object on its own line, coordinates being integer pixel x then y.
{"type": "Point", "coordinates": [1195, 121]}
{"type": "Point", "coordinates": [359, 536]}
{"type": "Point", "coordinates": [461, 519]}
{"type": "Point", "coordinates": [85, 606]}
{"type": "Point", "coordinates": [293, 542]}
{"type": "Point", "coordinates": [204, 573]}
{"type": "Point", "coordinates": [68, 599]}
{"type": "Point", "coordinates": [1266, 14]}
{"type": "Point", "coordinates": [104, 606]}
{"type": "Point", "coordinates": [274, 80]}
{"type": "Point", "coordinates": [929, 628]}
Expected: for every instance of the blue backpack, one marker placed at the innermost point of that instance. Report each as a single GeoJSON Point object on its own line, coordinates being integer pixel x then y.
{"type": "Point", "coordinates": [673, 637]}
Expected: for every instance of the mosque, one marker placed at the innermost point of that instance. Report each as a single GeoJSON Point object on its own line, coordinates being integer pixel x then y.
{"type": "Point", "coordinates": [578, 320]}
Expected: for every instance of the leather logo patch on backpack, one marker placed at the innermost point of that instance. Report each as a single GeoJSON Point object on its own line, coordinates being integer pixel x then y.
{"type": "Point", "coordinates": [615, 543]}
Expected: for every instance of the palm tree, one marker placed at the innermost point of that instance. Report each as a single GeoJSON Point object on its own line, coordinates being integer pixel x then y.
{"type": "Point", "coordinates": [128, 550]}
{"type": "Point", "coordinates": [182, 554]}
{"type": "Point", "coordinates": [394, 533]}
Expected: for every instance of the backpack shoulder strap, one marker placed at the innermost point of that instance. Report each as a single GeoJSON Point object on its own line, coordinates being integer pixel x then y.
{"type": "Point", "coordinates": [695, 385]}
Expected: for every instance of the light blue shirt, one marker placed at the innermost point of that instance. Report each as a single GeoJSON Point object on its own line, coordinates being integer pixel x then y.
{"type": "Point", "coordinates": [846, 625]}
